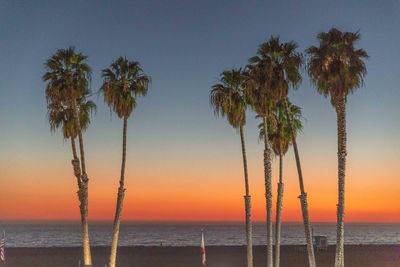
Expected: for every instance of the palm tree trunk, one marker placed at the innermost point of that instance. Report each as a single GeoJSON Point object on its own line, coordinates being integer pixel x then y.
{"type": "Point", "coordinates": [279, 213]}
{"type": "Point", "coordinates": [247, 202]}
{"type": "Point", "coordinates": [268, 193]}
{"type": "Point", "coordinates": [76, 164]}
{"type": "Point", "coordinates": [341, 128]}
{"type": "Point", "coordinates": [303, 195]}
{"type": "Point", "coordinates": [120, 199]}
{"type": "Point", "coordinates": [83, 194]}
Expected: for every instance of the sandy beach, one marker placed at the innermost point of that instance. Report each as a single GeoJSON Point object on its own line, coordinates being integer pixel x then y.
{"type": "Point", "coordinates": [217, 256]}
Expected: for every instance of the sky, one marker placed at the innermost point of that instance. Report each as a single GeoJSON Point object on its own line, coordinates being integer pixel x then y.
{"type": "Point", "coordinates": [184, 164]}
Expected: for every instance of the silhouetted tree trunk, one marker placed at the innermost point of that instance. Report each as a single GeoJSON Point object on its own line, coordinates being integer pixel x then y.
{"type": "Point", "coordinates": [268, 193]}
{"type": "Point", "coordinates": [247, 202]}
{"type": "Point", "coordinates": [83, 193]}
{"type": "Point", "coordinates": [75, 163]}
{"type": "Point", "coordinates": [303, 195]}
{"type": "Point", "coordinates": [341, 131]}
{"type": "Point", "coordinates": [120, 199]}
{"type": "Point", "coordinates": [279, 202]}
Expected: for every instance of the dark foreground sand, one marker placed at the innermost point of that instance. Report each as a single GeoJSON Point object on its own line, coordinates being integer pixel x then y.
{"type": "Point", "coordinates": [217, 256]}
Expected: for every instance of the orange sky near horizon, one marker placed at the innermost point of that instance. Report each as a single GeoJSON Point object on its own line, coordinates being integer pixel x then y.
{"type": "Point", "coordinates": [163, 193]}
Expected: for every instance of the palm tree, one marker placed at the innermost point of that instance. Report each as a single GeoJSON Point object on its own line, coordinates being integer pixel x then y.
{"type": "Point", "coordinates": [275, 69]}
{"type": "Point", "coordinates": [67, 77]}
{"type": "Point", "coordinates": [336, 68]}
{"type": "Point", "coordinates": [280, 137]}
{"type": "Point", "coordinates": [122, 83]}
{"type": "Point", "coordinates": [260, 98]}
{"type": "Point", "coordinates": [228, 100]}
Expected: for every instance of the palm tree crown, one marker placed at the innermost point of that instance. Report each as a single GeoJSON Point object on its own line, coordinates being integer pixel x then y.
{"type": "Point", "coordinates": [336, 67]}
{"type": "Point", "coordinates": [228, 99]}
{"type": "Point", "coordinates": [63, 117]}
{"type": "Point", "coordinates": [68, 76]}
{"type": "Point", "coordinates": [123, 81]}
{"type": "Point", "coordinates": [271, 72]}
{"type": "Point", "coordinates": [279, 132]}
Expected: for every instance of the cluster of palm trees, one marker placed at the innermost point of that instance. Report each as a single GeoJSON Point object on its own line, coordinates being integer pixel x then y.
{"type": "Point", "coordinates": [67, 78]}
{"type": "Point", "coordinates": [336, 68]}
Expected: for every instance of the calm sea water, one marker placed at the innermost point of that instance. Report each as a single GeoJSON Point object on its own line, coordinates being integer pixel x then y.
{"type": "Point", "coordinates": [150, 234]}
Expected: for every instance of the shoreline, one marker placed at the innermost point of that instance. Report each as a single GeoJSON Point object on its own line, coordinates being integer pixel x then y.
{"type": "Point", "coordinates": [217, 256]}
{"type": "Point", "coordinates": [191, 246]}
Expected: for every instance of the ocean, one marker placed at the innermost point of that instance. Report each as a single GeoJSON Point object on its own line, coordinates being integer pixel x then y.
{"type": "Point", "coordinates": [188, 234]}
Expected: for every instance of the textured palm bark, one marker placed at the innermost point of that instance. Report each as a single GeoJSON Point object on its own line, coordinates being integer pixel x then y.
{"type": "Point", "coordinates": [268, 194]}
{"type": "Point", "coordinates": [279, 202]}
{"type": "Point", "coordinates": [120, 200]}
{"type": "Point", "coordinates": [247, 202]}
{"type": "Point", "coordinates": [249, 231]}
{"type": "Point", "coordinates": [83, 194]}
{"type": "Point", "coordinates": [75, 163]}
{"type": "Point", "coordinates": [303, 195]}
{"type": "Point", "coordinates": [342, 140]}
{"type": "Point", "coordinates": [307, 229]}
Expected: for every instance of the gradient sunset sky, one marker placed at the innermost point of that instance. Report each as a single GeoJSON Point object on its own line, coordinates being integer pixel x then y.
{"type": "Point", "coordinates": [183, 163]}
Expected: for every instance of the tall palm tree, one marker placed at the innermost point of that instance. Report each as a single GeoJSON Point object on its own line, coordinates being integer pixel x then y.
{"type": "Point", "coordinates": [260, 98]}
{"type": "Point", "coordinates": [280, 138]}
{"type": "Point", "coordinates": [67, 77]}
{"type": "Point", "coordinates": [336, 68]}
{"type": "Point", "coordinates": [289, 64]}
{"type": "Point", "coordinates": [123, 82]}
{"type": "Point", "coordinates": [273, 71]}
{"type": "Point", "coordinates": [228, 100]}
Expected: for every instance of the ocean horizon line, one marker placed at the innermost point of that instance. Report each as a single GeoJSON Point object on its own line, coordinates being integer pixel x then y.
{"type": "Point", "coordinates": [195, 222]}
